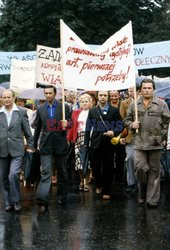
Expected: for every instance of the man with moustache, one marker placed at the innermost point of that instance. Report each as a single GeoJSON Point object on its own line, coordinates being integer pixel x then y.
{"type": "Point", "coordinates": [148, 141]}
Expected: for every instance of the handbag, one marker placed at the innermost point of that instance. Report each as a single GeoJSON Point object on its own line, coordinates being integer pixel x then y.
{"type": "Point", "coordinates": [31, 166]}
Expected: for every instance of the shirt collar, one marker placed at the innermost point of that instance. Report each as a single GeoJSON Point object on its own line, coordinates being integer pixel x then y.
{"type": "Point", "coordinates": [106, 108]}
{"type": "Point", "coordinates": [14, 108]}
{"type": "Point", "coordinates": [154, 100]}
{"type": "Point", "coordinates": [54, 104]}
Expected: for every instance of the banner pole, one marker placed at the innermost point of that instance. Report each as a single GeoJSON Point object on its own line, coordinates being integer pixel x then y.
{"type": "Point", "coordinates": [35, 81]}
{"type": "Point", "coordinates": [62, 71]}
{"type": "Point", "coordinates": [136, 108]}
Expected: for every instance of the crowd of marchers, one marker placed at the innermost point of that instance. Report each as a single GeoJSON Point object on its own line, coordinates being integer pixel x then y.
{"type": "Point", "coordinates": [91, 123]}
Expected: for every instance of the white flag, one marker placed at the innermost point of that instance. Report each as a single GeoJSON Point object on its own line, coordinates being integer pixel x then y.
{"type": "Point", "coordinates": [22, 75]}
{"type": "Point", "coordinates": [48, 66]}
{"type": "Point", "coordinates": [110, 67]}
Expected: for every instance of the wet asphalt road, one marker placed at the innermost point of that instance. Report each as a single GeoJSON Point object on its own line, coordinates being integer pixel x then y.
{"type": "Point", "coordinates": [87, 222]}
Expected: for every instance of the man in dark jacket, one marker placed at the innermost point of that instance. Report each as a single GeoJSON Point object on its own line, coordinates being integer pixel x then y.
{"type": "Point", "coordinates": [53, 144]}
{"type": "Point", "coordinates": [103, 123]}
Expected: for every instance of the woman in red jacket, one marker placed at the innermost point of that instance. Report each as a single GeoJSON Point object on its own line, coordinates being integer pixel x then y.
{"type": "Point", "coordinates": [76, 135]}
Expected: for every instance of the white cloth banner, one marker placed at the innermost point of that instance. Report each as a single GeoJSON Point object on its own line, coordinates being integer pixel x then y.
{"type": "Point", "coordinates": [6, 57]}
{"type": "Point", "coordinates": [111, 66]}
{"type": "Point", "coordinates": [48, 66]}
{"type": "Point", "coordinates": [146, 56]}
{"type": "Point", "coordinates": [22, 75]}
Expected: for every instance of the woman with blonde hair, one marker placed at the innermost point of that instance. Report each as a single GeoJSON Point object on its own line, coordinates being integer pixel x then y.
{"type": "Point", "coordinates": [76, 135]}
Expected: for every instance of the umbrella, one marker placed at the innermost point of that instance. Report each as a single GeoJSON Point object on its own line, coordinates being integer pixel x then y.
{"type": "Point", "coordinates": [70, 155]}
{"type": "Point", "coordinates": [31, 166]}
{"type": "Point", "coordinates": [6, 85]}
{"type": "Point", "coordinates": [34, 173]}
{"type": "Point", "coordinates": [163, 89]}
{"type": "Point", "coordinates": [36, 93]}
{"type": "Point", "coordinates": [84, 158]}
{"type": "Point", "coordinates": [27, 164]}
{"type": "Point", "coordinates": [1, 89]}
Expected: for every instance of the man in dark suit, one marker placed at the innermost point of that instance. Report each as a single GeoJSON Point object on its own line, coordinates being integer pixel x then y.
{"type": "Point", "coordinates": [13, 125]}
{"type": "Point", "coordinates": [53, 144]}
{"type": "Point", "coordinates": [103, 123]}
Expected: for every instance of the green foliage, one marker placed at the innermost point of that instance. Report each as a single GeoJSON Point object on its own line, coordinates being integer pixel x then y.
{"type": "Point", "coordinates": [24, 24]}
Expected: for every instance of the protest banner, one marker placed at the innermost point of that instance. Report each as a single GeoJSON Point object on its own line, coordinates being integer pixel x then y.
{"type": "Point", "coordinates": [6, 57]}
{"type": "Point", "coordinates": [146, 56]}
{"type": "Point", "coordinates": [152, 55]}
{"type": "Point", "coordinates": [111, 66]}
{"type": "Point", "coordinates": [48, 66]}
{"type": "Point", "coordinates": [22, 75]}
{"type": "Point", "coordinates": [149, 55]}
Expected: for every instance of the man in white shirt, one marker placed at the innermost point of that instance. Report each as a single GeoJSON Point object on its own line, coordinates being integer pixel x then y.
{"type": "Point", "coordinates": [13, 124]}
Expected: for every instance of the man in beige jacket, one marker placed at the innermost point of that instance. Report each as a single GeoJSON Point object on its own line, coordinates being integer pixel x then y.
{"type": "Point", "coordinates": [152, 129]}
{"type": "Point", "coordinates": [129, 160]}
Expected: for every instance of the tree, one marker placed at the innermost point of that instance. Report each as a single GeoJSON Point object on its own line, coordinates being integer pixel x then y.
{"type": "Point", "coordinates": [24, 24]}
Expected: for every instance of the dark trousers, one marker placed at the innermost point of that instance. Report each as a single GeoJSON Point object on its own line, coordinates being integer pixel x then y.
{"type": "Point", "coordinates": [43, 191]}
{"type": "Point", "coordinates": [120, 155]}
{"type": "Point", "coordinates": [10, 182]}
{"type": "Point", "coordinates": [103, 168]}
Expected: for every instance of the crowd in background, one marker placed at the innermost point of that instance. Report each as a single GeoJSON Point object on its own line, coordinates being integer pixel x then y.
{"type": "Point", "coordinates": [125, 163]}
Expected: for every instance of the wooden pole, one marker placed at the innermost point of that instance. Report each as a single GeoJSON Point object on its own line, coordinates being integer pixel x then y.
{"type": "Point", "coordinates": [35, 80]}
{"type": "Point", "coordinates": [136, 108]}
{"type": "Point", "coordinates": [62, 69]}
